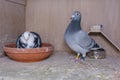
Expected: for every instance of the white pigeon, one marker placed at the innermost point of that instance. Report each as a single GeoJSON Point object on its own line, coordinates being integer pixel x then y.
{"type": "Point", "coordinates": [78, 40]}
{"type": "Point", "coordinates": [28, 40]}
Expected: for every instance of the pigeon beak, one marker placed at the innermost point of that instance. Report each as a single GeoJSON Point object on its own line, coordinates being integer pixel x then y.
{"type": "Point", "coordinates": [72, 16]}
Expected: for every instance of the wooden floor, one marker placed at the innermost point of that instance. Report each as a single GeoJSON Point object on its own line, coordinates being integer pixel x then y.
{"type": "Point", "coordinates": [61, 66]}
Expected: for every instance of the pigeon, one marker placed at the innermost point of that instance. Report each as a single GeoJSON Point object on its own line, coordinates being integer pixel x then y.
{"type": "Point", "coordinates": [28, 40]}
{"type": "Point", "coordinates": [77, 39]}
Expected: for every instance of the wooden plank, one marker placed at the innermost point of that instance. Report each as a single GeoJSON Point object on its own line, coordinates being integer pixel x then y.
{"type": "Point", "coordinates": [19, 2]}
{"type": "Point", "coordinates": [12, 22]}
{"type": "Point", "coordinates": [50, 18]}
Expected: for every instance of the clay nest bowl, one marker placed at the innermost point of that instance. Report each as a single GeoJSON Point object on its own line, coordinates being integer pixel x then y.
{"type": "Point", "coordinates": [28, 55]}
{"type": "Point", "coordinates": [97, 54]}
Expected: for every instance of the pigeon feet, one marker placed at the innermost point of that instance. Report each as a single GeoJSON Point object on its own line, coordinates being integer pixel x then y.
{"type": "Point", "coordinates": [82, 58]}
{"type": "Point", "coordinates": [79, 59]}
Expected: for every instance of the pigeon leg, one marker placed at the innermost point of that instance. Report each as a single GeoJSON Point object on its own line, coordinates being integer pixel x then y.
{"type": "Point", "coordinates": [83, 57]}
{"type": "Point", "coordinates": [77, 57]}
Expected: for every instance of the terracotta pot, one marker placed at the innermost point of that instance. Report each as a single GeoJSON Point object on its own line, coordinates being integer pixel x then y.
{"type": "Point", "coordinates": [28, 55]}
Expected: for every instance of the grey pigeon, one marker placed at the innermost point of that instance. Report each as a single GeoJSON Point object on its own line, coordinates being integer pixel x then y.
{"type": "Point", "coordinates": [78, 40]}
{"type": "Point", "coordinates": [28, 40]}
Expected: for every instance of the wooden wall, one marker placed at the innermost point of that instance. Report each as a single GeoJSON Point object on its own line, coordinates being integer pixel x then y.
{"type": "Point", "coordinates": [12, 21]}
{"type": "Point", "coordinates": [50, 19]}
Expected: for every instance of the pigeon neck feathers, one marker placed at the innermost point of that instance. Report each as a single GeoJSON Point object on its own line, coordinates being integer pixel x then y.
{"type": "Point", "coordinates": [74, 26]}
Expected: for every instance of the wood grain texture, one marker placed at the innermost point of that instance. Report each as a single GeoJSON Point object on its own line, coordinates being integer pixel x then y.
{"type": "Point", "coordinates": [12, 22]}
{"type": "Point", "coordinates": [50, 19]}
{"type": "Point", "coordinates": [19, 2]}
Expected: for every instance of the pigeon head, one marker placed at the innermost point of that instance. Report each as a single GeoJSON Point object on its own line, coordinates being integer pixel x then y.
{"type": "Point", "coordinates": [76, 16]}
{"type": "Point", "coordinates": [26, 35]}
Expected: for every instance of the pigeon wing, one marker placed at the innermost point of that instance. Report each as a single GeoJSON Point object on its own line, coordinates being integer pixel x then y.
{"type": "Point", "coordinates": [84, 40]}
{"type": "Point", "coordinates": [38, 42]}
{"type": "Point", "coordinates": [18, 44]}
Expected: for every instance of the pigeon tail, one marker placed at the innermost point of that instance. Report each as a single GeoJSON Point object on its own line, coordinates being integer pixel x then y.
{"type": "Point", "coordinates": [97, 47]}
{"type": "Point", "coordinates": [101, 49]}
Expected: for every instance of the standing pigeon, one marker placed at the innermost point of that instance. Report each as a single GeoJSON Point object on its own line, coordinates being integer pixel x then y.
{"type": "Point", "coordinates": [78, 40]}
{"type": "Point", "coordinates": [28, 40]}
